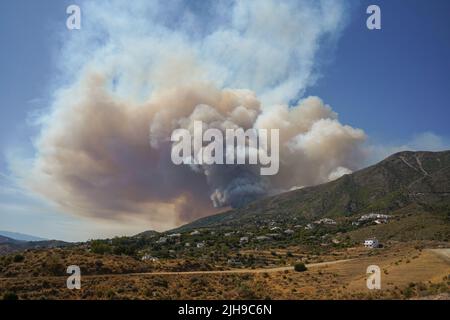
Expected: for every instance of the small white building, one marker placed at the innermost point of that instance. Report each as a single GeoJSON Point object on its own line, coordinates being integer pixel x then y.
{"type": "Point", "coordinates": [234, 262]}
{"type": "Point", "coordinates": [374, 216]}
{"type": "Point", "coordinates": [195, 233]}
{"type": "Point", "coordinates": [309, 226]}
{"type": "Point", "coordinates": [288, 231]}
{"type": "Point", "coordinates": [201, 244]}
{"type": "Point", "coordinates": [162, 240]}
{"type": "Point", "coordinates": [371, 243]}
{"type": "Point", "coordinates": [274, 235]}
{"type": "Point", "coordinates": [174, 235]}
{"type": "Point", "coordinates": [243, 240]}
{"type": "Point", "coordinates": [148, 257]}
{"type": "Point", "coordinates": [325, 221]}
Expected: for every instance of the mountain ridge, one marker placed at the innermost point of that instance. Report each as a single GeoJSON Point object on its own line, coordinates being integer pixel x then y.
{"type": "Point", "coordinates": [404, 178]}
{"type": "Point", "coordinates": [9, 245]}
{"type": "Point", "coordinates": [20, 236]}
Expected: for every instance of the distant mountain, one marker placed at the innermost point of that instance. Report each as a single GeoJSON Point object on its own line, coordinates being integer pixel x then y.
{"type": "Point", "coordinates": [20, 236]}
{"type": "Point", "coordinates": [416, 180]}
{"type": "Point", "coordinates": [4, 240]}
{"type": "Point", "coordinates": [9, 245]}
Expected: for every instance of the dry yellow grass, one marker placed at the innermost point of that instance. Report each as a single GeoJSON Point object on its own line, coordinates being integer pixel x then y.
{"type": "Point", "coordinates": [407, 272]}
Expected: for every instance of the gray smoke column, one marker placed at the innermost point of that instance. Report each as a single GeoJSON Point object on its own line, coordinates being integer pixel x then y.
{"type": "Point", "coordinates": [104, 147]}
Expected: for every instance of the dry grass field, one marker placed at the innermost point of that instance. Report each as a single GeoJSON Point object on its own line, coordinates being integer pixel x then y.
{"type": "Point", "coordinates": [408, 271]}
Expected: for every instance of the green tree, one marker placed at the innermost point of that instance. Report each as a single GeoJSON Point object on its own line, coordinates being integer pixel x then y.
{"type": "Point", "coordinates": [100, 247]}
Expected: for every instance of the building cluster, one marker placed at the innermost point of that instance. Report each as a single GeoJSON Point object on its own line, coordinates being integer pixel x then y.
{"type": "Point", "coordinates": [377, 218]}
{"type": "Point", "coordinates": [327, 221]}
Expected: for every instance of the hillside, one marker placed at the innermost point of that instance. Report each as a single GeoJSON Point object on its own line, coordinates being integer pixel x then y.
{"type": "Point", "coordinates": [408, 272]}
{"type": "Point", "coordinates": [416, 180]}
{"type": "Point", "coordinates": [20, 236]}
{"type": "Point", "coordinates": [149, 234]}
{"type": "Point", "coordinates": [251, 252]}
{"type": "Point", "coordinates": [9, 245]}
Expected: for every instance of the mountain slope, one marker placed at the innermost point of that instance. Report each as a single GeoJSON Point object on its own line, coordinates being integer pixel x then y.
{"type": "Point", "coordinates": [147, 234]}
{"type": "Point", "coordinates": [9, 245]}
{"type": "Point", "coordinates": [20, 236]}
{"type": "Point", "coordinates": [4, 240]}
{"type": "Point", "coordinates": [406, 178]}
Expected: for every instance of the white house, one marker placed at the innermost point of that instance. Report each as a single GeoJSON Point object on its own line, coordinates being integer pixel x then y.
{"type": "Point", "coordinates": [243, 240]}
{"type": "Point", "coordinates": [234, 262]}
{"type": "Point", "coordinates": [309, 226]}
{"type": "Point", "coordinates": [371, 243]}
{"type": "Point", "coordinates": [273, 235]}
{"type": "Point", "coordinates": [148, 257]}
{"type": "Point", "coordinates": [195, 233]}
{"type": "Point", "coordinates": [374, 216]}
{"type": "Point", "coordinates": [174, 235]}
{"type": "Point", "coordinates": [325, 221]}
{"type": "Point", "coordinates": [201, 244]}
{"type": "Point", "coordinates": [162, 240]}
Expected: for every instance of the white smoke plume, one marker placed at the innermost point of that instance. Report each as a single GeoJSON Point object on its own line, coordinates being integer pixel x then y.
{"type": "Point", "coordinates": [139, 70]}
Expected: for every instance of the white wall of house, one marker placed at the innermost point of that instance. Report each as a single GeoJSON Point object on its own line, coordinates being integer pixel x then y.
{"type": "Point", "coordinates": [371, 243]}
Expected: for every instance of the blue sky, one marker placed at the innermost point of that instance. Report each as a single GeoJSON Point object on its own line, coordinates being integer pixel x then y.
{"type": "Point", "coordinates": [394, 83]}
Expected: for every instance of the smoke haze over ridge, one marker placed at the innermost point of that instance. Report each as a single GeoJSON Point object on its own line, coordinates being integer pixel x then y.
{"type": "Point", "coordinates": [104, 146]}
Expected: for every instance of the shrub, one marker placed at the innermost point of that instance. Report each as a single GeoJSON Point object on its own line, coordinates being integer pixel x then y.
{"type": "Point", "coordinates": [247, 293]}
{"type": "Point", "coordinates": [18, 258]}
{"type": "Point", "coordinates": [300, 267]}
{"type": "Point", "coordinates": [10, 296]}
{"type": "Point", "coordinates": [55, 266]}
{"type": "Point", "coordinates": [110, 294]}
{"type": "Point", "coordinates": [160, 282]}
{"type": "Point", "coordinates": [408, 292]}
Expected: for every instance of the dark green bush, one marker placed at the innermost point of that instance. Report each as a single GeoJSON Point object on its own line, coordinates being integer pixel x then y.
{"type": "Point", "coordinates": [18, 258]}
{"type": "Point", "coordinates": [10, 296]}
{"type": "Point", "coordinates": [300, 267]}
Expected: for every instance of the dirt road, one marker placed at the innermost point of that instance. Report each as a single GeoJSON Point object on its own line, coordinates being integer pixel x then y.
{"type": "Point", "coordinates": [444, 253]}
{"type": "Point", "coordinates": [261, 270]}
{"type": "Point", "coordinates": [232, 271]}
